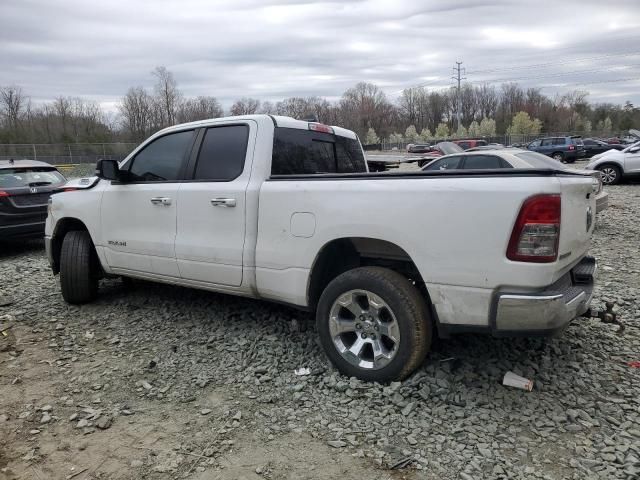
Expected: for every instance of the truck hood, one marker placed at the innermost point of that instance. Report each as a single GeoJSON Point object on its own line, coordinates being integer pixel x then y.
{"type": "Point", "coordinates": [82, 183]}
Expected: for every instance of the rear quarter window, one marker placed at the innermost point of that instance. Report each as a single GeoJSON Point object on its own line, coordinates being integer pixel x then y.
{"type": "Point", "coordinates": [306, 152]}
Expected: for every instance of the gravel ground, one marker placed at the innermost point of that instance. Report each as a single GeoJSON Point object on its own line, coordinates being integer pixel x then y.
{"type": "Point", "coordinates": [154, 381]}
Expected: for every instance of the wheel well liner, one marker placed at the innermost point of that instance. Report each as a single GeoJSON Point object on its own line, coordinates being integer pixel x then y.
{"type": "Point", "coordinates": [340, 255]}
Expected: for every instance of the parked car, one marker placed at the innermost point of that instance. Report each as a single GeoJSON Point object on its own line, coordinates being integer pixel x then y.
{"type": "Point", "coordinates": [593, 146]}
{"type": "Point", "coordinates": [563, 149]}
{"type": "Point", "coordinates": [25, 187]}
{"type": "Point", "coordinates": [616, 165]}
{"type": "Point", "coordinates": [512, 158]}
{"type": "Point", "coordinates": [275, 208]}
{"type": "Point", "coordinates": [438, 150]}
{"type": "Point", "coordinates": [419, 148]}
{"type": "Point", "coordinates": [467, 144]}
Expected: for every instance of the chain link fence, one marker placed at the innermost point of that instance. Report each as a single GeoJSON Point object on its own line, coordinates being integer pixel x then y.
{"type": "Point", "coordinates": [66, 153]}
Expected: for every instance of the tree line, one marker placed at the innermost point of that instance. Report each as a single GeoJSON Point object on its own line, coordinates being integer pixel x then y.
{"type": "Point", "coordinates": [417, 114]}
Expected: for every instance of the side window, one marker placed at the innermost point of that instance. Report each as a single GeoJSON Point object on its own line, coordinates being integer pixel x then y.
{"type": "Point", "coordinates": [464, 145]}
{"type": "Point", "coordinates": [222, 154]}
{"type": "Point", "coordinates": [590, 142]}
{"type": "Point", "coordinates": [481, 162]}
{"type": "Point", "coordinates": [304, 152]}
{"type": "Point", "coordinates": [547, 142]}
{"type": "Point", "coordinates": [534, 144]}
{"type": "Point", "coordinates": [162, 159]}
{"type": "Point", "coordinates": [559, 141]}
{"type": "Point", "coordinates": [449, 163]}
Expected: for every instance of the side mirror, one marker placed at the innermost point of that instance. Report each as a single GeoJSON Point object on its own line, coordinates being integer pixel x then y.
{"type": "Point", "coordinates": [108, 170]}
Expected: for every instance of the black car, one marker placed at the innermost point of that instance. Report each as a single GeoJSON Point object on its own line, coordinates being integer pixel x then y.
{"type": "Point", "coordinates": [25, 188]}
{"type": "Point", "coordinates": [421, 148]}
{"type": "Point", "coordinates": [593, 146]}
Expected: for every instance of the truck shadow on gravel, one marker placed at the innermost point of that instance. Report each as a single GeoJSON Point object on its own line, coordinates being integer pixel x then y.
{"type": "Point", "coordinates": [16, 248]}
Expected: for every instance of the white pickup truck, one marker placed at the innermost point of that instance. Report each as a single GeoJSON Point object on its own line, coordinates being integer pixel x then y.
{"type": "Point", "coordinates": [275, 208]}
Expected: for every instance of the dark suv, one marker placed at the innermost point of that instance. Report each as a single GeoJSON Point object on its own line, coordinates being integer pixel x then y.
{"type": "Point", "coordinates": [563, 149]}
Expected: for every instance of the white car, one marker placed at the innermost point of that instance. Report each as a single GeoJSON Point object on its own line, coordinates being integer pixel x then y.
{"type": "Point", "coordinates": [512, 158]}
{"type": "Point", "coordinates": [275, 208]}
{"type": "Point", "coordinates": [617, 164]}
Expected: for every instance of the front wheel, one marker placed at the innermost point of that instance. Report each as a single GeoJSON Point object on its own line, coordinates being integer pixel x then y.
{"type": "Point", "coordinates": [611, 175]}
{"type": "Point", "coordinates": [79, 267]}
{"type": "Point", "coordinates": [374, 324]}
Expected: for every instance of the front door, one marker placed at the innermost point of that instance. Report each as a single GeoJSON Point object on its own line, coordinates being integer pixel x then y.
{"type": "Point", "coordinates": [212, 206]}
{"type": "Point", "coordinates": [632, 161]}
{"type": "Point", "coordinates": [138, 216]}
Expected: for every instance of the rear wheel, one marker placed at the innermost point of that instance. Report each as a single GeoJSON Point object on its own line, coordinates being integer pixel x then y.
{"type": "Point", "coordinates": [374, 324]}
{"type": "Point", "coordinates": [79, 267]}
{"type": "Point", "coordinates": [611, 174]}
{"type": "Point", "coordinates": [558, 156]}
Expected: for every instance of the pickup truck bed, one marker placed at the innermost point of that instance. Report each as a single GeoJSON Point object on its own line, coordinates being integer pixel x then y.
{"type": "Point", "coordinates": [384, 260]}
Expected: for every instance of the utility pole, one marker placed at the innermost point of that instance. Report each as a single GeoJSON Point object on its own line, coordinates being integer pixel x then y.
{"type": "Point", "coordinates": [458, 71]}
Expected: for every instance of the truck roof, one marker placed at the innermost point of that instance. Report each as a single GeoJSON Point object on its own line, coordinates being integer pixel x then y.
{"type": "Point", "coordinates": [278, 120]}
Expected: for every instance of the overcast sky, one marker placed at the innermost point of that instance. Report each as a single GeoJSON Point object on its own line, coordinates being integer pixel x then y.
{"type": "Point", "coordinates": [273, 49]}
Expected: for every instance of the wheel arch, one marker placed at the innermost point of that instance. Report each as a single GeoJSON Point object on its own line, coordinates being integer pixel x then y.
{"type": "Point", "coordinates": [63, 226]}
{"type": "Point", "coordinates": [346, 253]}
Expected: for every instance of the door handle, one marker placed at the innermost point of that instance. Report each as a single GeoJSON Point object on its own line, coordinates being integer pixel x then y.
{"type": "Point", "coordinates": [223, 202]}
{"type": "Point", "coordinates": [161, 201]}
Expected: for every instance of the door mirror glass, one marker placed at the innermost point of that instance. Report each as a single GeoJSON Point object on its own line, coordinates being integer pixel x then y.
{"type": "Point", "coordinates": [108, 170]}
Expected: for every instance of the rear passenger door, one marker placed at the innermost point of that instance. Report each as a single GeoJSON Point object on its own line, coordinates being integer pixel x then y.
{"type": "Point", "coordinates": [211, 205]}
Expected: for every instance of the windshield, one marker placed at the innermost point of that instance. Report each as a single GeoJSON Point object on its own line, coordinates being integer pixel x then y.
{"type": "Point", "coordinates": [538, 160]}
{"type": "Point", "coordinates": [626, 150]}
{"type": "Point", "coordinates": [29, 177]}
{"type": "Point", "coordinates": [449, 147]}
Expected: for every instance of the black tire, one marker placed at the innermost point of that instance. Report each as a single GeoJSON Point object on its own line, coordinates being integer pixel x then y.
{"type": "Point", "coordinates": [407, 305]}
{"type": "Point", "coordinates": [611, 174]}
{"type": "Point", "coordinates": [79, 267]}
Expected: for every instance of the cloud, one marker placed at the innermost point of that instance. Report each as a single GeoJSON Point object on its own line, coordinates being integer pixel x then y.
{"type": "Point", "coordinates": [278, 48]}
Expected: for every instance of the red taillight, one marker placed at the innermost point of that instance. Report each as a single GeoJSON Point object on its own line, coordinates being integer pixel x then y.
{"type": "Point", "coordinates": [69, 189]}
{"type": "Point", "coordinates": [536, 233]}
{"type": "Point", "coordinates": [572, 147]}
{"type": "Point", "coordinates": [3, 193]}
{"type": "Point", "coordinates": [319, 127]}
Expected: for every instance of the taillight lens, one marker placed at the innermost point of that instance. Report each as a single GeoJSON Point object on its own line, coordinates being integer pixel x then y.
{"type": "Point", "coordinates": [572, 147]}
{"type": "Point", "coordinates": [319, 127]}
{"type": "Point", "coordinates": [536, 233]}
{"type": "Point", "coordinates": [69, 189]}
{"type": "Point", "coordinates": [3, 194]}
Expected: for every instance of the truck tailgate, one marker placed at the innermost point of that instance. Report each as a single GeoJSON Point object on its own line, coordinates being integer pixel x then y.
{"type": "Point", "coordinates": [577, 219]}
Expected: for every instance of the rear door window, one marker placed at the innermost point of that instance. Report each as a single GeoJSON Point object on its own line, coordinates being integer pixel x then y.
{"type": "Point", "coordinates": [559, 141]}
{"type": "Point", "coordinates": [547, 142]}
{"type": "Point", "coordinates": [305, 152]}
{"type": "Point", "coordinates": [449, 163]}
{"type": "Point", "coordinates": [222, 153]}
{"type": "Point", "coordinates": [484, 162]}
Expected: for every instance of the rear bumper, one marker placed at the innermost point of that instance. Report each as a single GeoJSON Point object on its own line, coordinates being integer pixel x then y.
{"type": "Point", "coordinates": [548, 311]}
{"type": "Point", "coordinates": [602, 201]}
{"type": "Point", "coordinates": [23, 230]}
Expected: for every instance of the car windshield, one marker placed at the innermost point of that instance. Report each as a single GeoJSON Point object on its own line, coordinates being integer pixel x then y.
{"type": "Point", "coordinates": [29, 177]}
{"type": "Point", "coordinates": [537, 160]}
{"type": "Point", "coordinates": [633, 145]}
{"type": "Point", "coordinates": [449, 147]}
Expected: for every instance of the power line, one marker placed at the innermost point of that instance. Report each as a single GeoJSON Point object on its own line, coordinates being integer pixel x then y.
{"type": "Point", "coordinates": [556, 74]}
{"type": "Point", "coordinates": [628, 79]}
{"type": "Point", "coordinates": [553, 64]}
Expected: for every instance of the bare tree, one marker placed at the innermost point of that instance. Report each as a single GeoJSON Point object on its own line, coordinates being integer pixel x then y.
{"type": "Point", "coordinates": [12, 104]}
{"type": "Point", "coordinates": [199, 108]}
{"type": "Point", "coordinates": [245, 106]}
{"type": "Point", "coordinates": [167, 95]}
{"type": "Point", "coordinates": [135, 109]}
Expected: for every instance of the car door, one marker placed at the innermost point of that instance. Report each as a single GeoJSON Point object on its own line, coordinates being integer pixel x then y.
{"type": "Point", "coordinates": [211, 205]}
{"type": "Point", "coordinates": [447, 163]}
{"type": "Point", "coordinates": [632, 160]}
{"type": "Point", "coordinates": [138, 215]}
